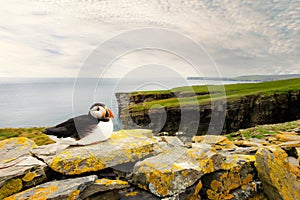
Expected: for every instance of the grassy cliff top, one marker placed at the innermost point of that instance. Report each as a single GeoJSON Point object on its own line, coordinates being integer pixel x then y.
{"type": "Point", "coordinates": [205, 93]}
{"type": "Point", "coordinates": [35, 133]}
{"type": "Point", "coordinates": [262, 131]}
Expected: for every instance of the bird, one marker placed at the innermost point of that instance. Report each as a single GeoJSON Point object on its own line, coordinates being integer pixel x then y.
{"type": "Point", "coordinates": [91, 128]}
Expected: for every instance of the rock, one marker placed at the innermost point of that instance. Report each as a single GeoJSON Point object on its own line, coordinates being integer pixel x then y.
{"type": "Point", "coordinates": [172, 171]}
{"type": "Point", "coordinates": [245, 192]}
{"type": "Point", "coordinates": [274, 170]}
{"type": "Point", "coordinates": [137, 194]}
{"type": "Point", "coordinates": [102, 185]}
{"type": "Point", "coordinates": [287, 137]}
{"type": "Point", "coordinates": [63, 189]}
{"type": "Point", "coordinates": [298, 152]}
{"type": "Point", "coordinates": [122, 147]}
{"type": "Point", "coordinates": [245, 143]}
{"type": "Point", "coordinates": [168, 173]}
{"type": "Point", "coordinates": [111, 195]}
{"type": "Point", "coordinates": [259, 141]}
{"type": "Point", "coordinates": [193, 192]}
{"type": "Point", "coordinates": [258, 196]}
{"type": "Point", "coordinates": [173, 141]}
{"type": "Point", "coordinates": [234, 183]}
{"type": "Point", "coordinates": [233, 160]}
{"type": "Point", "coordinates": [245, 150]}
{"type": "Point", "coordinates": [216, 141]}
{"type": "Point", "coordinates": [18, 169]}
{"type": "Point", "coordinates": [297, 130]}
{"type": "Point", "coordinates": [14, 149]}
{"type": "Point", "coordinates": [290, 144]}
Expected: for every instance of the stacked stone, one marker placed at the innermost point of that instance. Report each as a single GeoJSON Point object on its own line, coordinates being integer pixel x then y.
{"type": "Point", "coordinates": [134, 164]}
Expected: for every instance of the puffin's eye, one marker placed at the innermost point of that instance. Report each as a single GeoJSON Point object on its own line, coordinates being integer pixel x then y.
{"type": "Point", "coordinates": [98, 108]}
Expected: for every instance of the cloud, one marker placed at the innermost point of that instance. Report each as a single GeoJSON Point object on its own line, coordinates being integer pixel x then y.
{"type": "Point", "coordinates": [53, 38]}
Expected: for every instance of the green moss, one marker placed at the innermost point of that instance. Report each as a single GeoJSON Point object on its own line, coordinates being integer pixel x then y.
{"type": "Point", "coordinates": [10, 187]}
{"type": "Point", "coordinates": [36, 134]}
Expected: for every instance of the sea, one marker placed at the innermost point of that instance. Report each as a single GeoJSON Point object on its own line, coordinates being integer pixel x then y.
{"type": "Point", "coordinates": [44, 102]}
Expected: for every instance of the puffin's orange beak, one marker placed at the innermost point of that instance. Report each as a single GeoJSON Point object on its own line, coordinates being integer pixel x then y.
{"type": "Point", "coordinates": [109, 113]}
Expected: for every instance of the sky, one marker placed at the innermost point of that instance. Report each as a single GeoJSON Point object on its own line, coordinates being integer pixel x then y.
{"type": "Point", "coordinates": [113, 38]}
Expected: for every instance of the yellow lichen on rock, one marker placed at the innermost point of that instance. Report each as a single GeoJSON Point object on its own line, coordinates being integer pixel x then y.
{"type": "Point", "coordinates": [258, 197]}
{"type": "Point", "coordinates": [232, 161]}
{"type": "Point", "coordinates": [77, 165]}
{"type": "Point", "coordinates": [14, 148]}
{"type": "Point", "coordinates": [122, 147]}
{"type": "Point", "coordinates": [138, 152]}
{"type": "Point", "coordinates": [40, 193]}
{"type": "Point", "coordinates": [222, 183]}
{"type": "Point", "coordinates": [274, 171]}
{"type": "Point", "coordinates": [216, 141]}
{"type": "Point", "coordinates": [287, 137]}
{"type": "Point", "coordinates": [138, 133]}
{"type": "Point", "coordinates": [108, 182]}
{"type": "Point", "coordinates": [10, 187]}
{"type": "Point", "coordinates": [131, 194]}
{"type": "Point", "coordinates": [216, 185]}
{"type": "Point", "coordinates": [195, 195]}
{"type": "Point", "coordinates": [21, 142]}
{"type": "Point", "coordinates": [74, 195]}
{"type": "Point", "coordinates": [205, 159]}
{"type": "Point", "coordinates": [160, 181]}
{"type": "Point", "coordinates": [168, 173]}
{"type": "Point", "coordinates": [29, 176]}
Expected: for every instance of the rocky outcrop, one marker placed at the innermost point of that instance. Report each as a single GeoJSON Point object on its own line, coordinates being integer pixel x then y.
{"type": "Point", "coordinates": [122, 147]}
{"type": "Point", "coordinates": [279, 173]}
{"type": "Point", "coordinates": [246, 111]}
{"type": "Point", "coordinates": [171, 172]}
{"type": "Point", "coordinates": [135, 165]}
{"type": "Point", "coordinates": [18, 169]}
{"type": "Point", "coordinates": [63, 189]}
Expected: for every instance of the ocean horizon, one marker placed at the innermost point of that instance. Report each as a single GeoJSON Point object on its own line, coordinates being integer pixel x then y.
{"type": "Point", "coordinates": [44, 102]}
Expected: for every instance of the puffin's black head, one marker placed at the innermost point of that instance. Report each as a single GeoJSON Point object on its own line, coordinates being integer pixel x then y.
{"type": "Point", "coordinates": [100, 111]}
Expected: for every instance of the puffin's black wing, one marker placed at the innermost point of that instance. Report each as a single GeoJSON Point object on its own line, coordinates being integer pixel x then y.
{"type": "Point", "coordinates": [77, 127]}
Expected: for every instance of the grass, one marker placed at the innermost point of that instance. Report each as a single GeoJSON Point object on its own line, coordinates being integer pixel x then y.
{"type": "Point", "coordinates": [261, 131]}
{"type": "Point", "coordinates": [204, 94]}
{"type": "Point", "coordinates": [36, 134]}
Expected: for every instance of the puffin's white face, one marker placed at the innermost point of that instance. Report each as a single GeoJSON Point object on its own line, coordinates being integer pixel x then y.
{"type": "Point", "coordinates": [101, 112]}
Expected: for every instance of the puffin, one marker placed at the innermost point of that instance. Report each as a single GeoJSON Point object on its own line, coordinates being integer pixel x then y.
{"type": "Point", "coordinates": [91, 128]}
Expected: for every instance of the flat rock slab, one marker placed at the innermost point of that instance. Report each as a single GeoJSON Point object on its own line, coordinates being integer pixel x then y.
{"type": "Point", "coordinates": [278, 175]}
{"type": "Point", "coordinates": [63, 189]}
{"type": "Point", "coordinates": [102, 185]}
{"type": "Point", "coordinates": [13, 149]}
{"type": "Point", "coordinates": [216, 141]}
{"type": "Point", "coordinates": [168, 173]}
{"type": "Point", "coordinates": [173, 141]}
{"type": "Point", "coordinates": [18, 169]}
{"type": "Point", "coordinates": [287, 137]}
{"type": "Point", "coordinates": [124, 146]}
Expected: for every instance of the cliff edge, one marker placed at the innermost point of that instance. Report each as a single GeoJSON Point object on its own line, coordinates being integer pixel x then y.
{"type": "Point", "coordinates": [242, 105]}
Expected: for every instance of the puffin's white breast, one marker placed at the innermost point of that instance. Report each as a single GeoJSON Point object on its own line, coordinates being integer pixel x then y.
{"type": "Point", "coordinates": [101, 132]}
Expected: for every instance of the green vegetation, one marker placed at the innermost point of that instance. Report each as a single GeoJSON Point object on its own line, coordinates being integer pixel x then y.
{"type": "Point", "coordinates": [35, 134]}
{"type": "Point", "coordinates": [204, 94]}
{"type": "Point", "coordinates": [262, 131]}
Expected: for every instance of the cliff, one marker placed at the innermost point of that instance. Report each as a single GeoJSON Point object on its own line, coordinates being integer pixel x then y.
{"type": "Point", "coordinates": [245, 105]}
